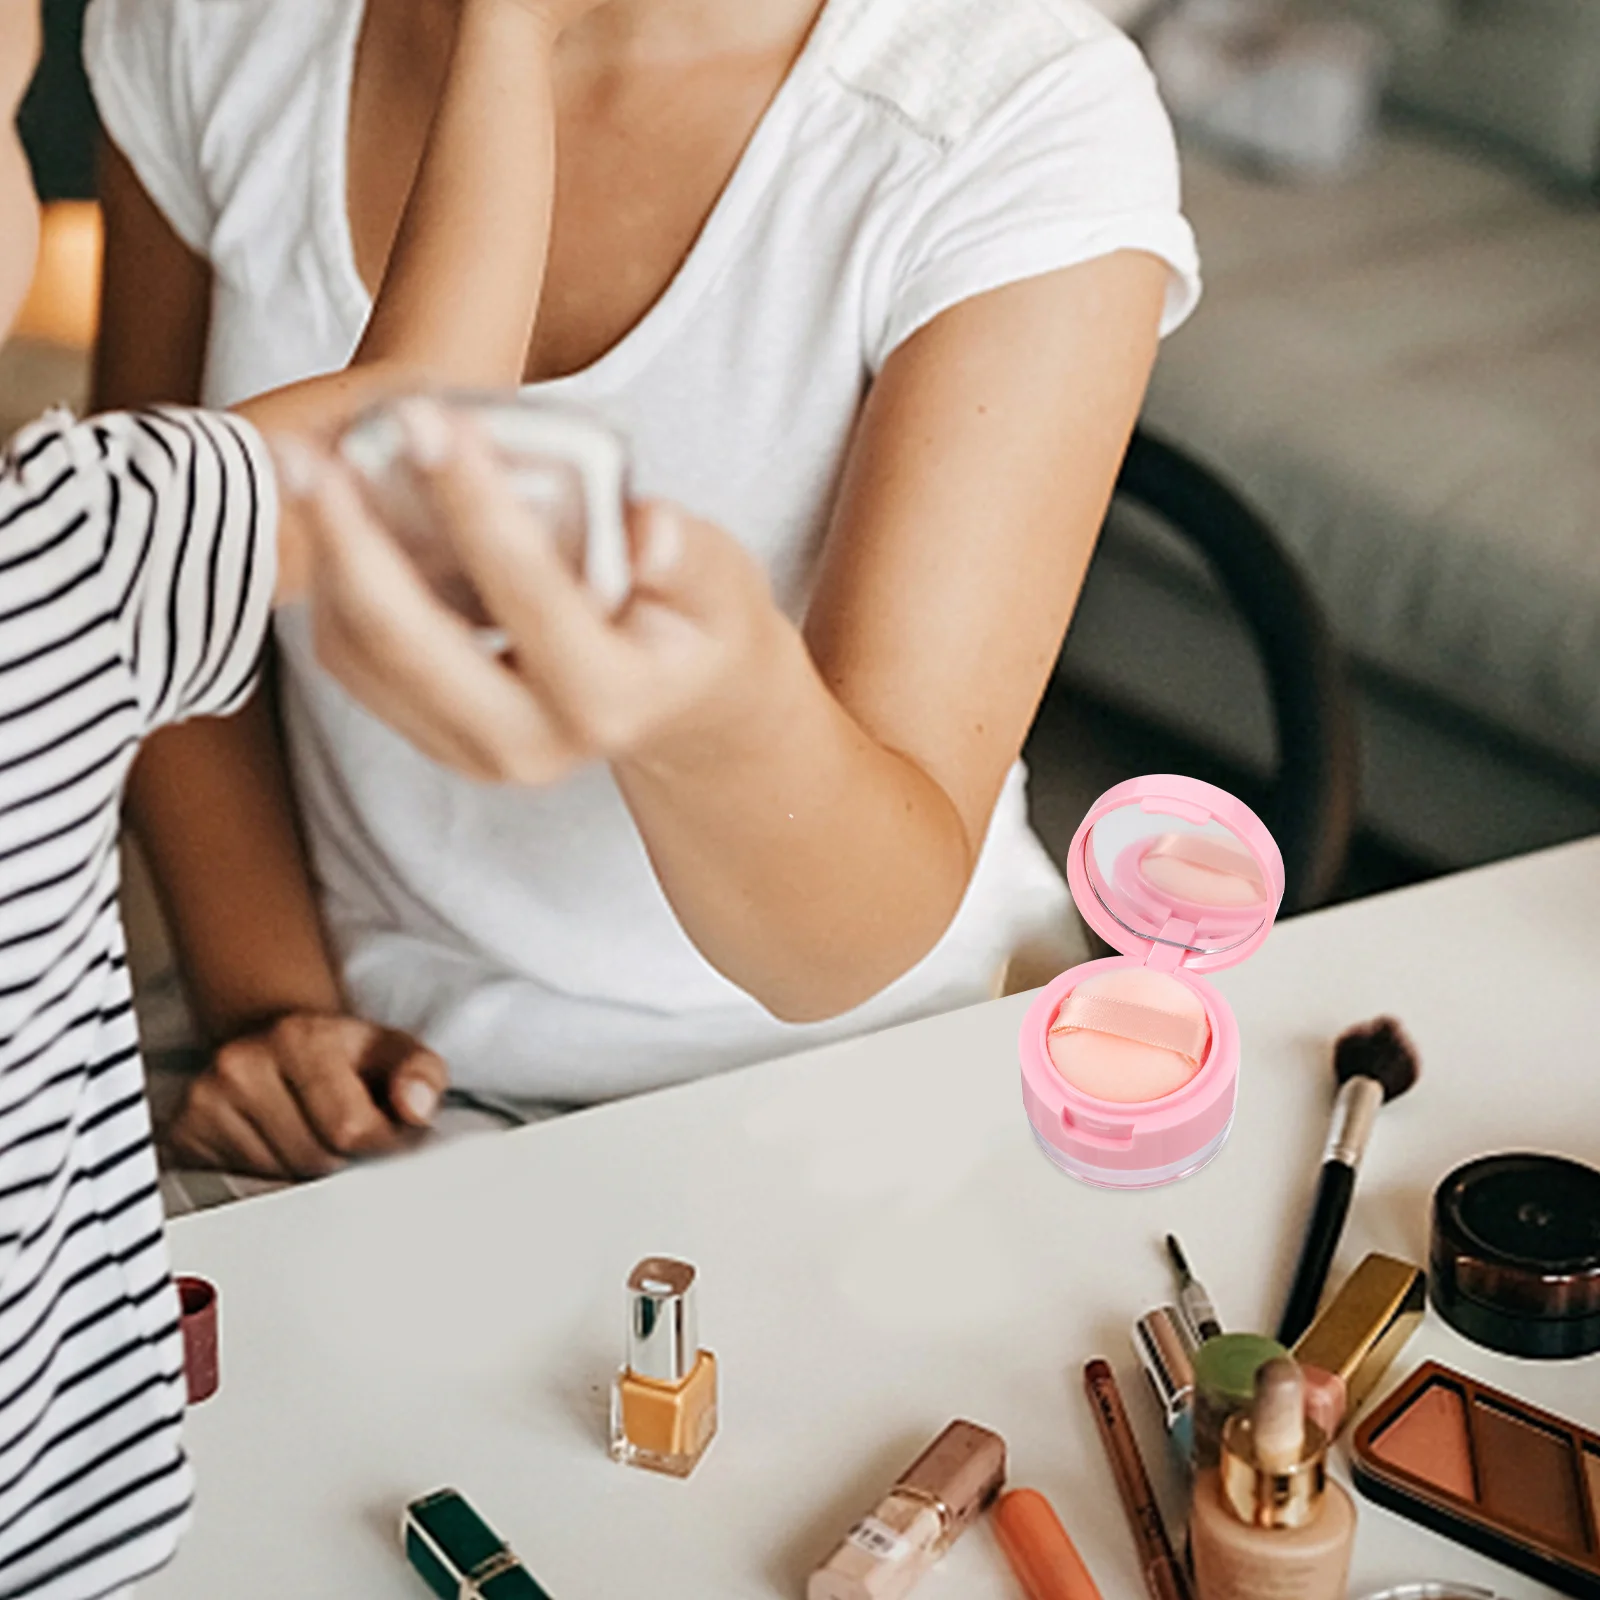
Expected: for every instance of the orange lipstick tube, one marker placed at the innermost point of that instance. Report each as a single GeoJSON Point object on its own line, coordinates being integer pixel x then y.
{"type": "Point", "coordinates": [1044, 1559]}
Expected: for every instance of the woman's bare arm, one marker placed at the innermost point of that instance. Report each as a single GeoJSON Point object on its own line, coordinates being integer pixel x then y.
{"type": "Point", "coordinates": [820, 850]}
{"type": "Point", "coordinates": [814, 805]}
{"type": "Point", "coordinates": [155, 299]}
{"type": "Point", "coordinates": [299, 1086]}
{"type": "Point", "coordinates": [208, 799]}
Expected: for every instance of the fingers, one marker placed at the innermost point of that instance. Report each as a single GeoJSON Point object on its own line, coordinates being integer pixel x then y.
{"type": "Point", "coordinates": [407, 657]}
{"type": "Point", "coordinates": [610, 684]}
{"type": "Point", "coordinates": [300, 1099]}
{"type": "Point", "coordinates": [211, 1133]}
{"type": "Point", "coordinates": [409, 1078]}
{"type": "Point", "coordinates": [241, 1116]}
{"type": "Point", "coordinates": [576, 684]}
{"type": "Point", "coordinates": [561, 633]}
{"type": "Point", "coordinates": [322, 1062]}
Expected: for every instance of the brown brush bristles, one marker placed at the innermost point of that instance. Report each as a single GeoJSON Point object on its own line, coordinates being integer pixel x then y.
{"type": "Point", "coordinates": [1380, 1050]}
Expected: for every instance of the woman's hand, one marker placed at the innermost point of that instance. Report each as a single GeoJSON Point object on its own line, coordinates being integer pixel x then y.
{"type": "Point", "coordinates": [304, 1096]}
{"type": "Point", "coordinates": [696, 661]}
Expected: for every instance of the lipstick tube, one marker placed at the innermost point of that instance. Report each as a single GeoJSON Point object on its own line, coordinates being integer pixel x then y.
{"type": "Point", "coordinates": [458, 1555]}
{"type": "Point", "coordinates": [932, 1503]}
{"type": "Point", "coordinates": [1043, 1558]}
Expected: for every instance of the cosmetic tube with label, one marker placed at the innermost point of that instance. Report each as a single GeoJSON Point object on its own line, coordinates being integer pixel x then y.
{"type": "Point", "coordinates": [931, 1505]}
{"type": "Point", "coordinates": [664, 1400]}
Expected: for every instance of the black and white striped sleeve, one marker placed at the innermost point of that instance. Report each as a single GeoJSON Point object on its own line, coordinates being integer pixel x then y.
{"type": "Point", "coordinates": [137, 566]}
{"type": "Point", "coordinates": [162, 524]}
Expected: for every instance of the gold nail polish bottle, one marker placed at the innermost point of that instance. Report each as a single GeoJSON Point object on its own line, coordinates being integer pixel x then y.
{"type": "Point", "coordinates": [664, 1400]}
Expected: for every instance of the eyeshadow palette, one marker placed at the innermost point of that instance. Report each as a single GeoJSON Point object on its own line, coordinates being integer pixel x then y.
{"type": "Point", "coordinates": [1490, 1471]}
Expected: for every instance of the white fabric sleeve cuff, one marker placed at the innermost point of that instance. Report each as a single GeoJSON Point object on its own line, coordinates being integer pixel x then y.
{"type": "Point", "coordinates": [1033, 252]}
{"type": "Point", "coordinates": [134, 67]}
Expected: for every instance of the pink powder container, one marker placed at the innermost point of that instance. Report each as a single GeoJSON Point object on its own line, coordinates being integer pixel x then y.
{"type": "Point", "coordinates": [1130, 1065]}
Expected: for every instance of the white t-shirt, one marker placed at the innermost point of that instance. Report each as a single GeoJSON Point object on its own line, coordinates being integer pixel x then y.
{"type": "Point", "coordinates": [919, 153]}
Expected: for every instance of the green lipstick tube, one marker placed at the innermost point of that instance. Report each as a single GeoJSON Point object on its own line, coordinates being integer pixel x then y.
{"type": "Point", "coordinates": [457, 1553]}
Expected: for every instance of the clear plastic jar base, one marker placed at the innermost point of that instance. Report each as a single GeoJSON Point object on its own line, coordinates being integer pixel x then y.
{"type": "Point", "coordinates": [1150, 1178]}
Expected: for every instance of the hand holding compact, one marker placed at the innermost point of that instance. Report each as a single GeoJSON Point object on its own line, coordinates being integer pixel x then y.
{"type": "Point", "coordinates": [688, 661]}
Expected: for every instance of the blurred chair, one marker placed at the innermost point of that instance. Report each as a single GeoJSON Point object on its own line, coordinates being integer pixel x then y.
{"type": "Point", "coordinates": [1313, 800]}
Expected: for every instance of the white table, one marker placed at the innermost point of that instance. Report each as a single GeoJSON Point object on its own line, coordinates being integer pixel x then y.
{"type": "Point", "coordinates": [882, 1248]}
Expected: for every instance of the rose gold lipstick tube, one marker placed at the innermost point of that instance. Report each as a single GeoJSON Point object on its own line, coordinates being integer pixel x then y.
{"type": "Point", "coordinates": [931, 1505]}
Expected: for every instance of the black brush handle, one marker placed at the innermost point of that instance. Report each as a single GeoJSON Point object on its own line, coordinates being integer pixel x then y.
{"type": "Point", "coordinates": [1334, 1189]}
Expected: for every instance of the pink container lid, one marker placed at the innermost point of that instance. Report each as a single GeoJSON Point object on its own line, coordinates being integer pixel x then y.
{"type": "Point", "coordinates": [1171, 817]}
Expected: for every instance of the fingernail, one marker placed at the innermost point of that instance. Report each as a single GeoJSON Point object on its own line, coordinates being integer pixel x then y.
{"type": "Point", "coordinates": [298, 467]}
{"type": "Point", "coordinates": [419, 1099]}
{"type": "Point", "coordinates": [430, 440]}
{"type": "Point", "coordinates": [663, 543]}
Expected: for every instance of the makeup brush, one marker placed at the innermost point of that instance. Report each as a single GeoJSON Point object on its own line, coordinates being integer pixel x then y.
{"type": "Point", "coordinates": [1374, 1063]}
{"type": "Point", "coordinates": [1192, 1297]}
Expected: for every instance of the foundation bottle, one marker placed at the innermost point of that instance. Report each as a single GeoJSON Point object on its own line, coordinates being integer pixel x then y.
{"type": "Point", "coordinates": [664, 1400]}
{"type": "Point", "coordinates": [1225, 1371]}
{"type": "Point", "coordinates": [932, 1503]}
{"type": "Point", "coordinates": [1267, 1522]}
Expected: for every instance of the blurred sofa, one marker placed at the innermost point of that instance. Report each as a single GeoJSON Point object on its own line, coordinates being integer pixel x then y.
{"type": "Point", "coordinates": [1401, 369]}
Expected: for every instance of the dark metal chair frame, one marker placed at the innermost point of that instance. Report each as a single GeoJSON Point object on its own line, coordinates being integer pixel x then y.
{"type": "Point", "coordinates": [1314, 799]}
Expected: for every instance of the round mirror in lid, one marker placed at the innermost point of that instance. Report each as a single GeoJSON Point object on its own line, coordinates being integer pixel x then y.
{"type": "Point", "coordinates": [1176, 870]}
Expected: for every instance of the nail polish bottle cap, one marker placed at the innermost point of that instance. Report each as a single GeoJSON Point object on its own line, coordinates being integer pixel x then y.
{"type": "Point", "coordinates": [1274, 1462]}
{"type": "Point", "coordinates": [663, 1331]}
{"type": "Point", "coordinates": [962, 1471]}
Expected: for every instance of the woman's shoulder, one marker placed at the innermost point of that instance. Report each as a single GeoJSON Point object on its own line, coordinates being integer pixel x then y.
{"type": "Point", "coordinates": [200, 45]}
{"type": "Point", "coordinates": [198, 93]}
{"type": "Point", "coordinates": [1032, 137]}
{"type": "Point", "coordinates": [946, 68]}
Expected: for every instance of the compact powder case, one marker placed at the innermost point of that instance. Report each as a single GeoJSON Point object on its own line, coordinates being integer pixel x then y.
{"type": "Point", "coordinates": [563, 462]}
{"type": "Point", "coordinates": [1489, 1471]}
{"type": "Point", "coordinates": [1130, 1065]}
{"type": "Point", "coordinates": [1514, 1262]}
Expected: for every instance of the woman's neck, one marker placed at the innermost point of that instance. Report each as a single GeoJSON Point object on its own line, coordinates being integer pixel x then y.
{"type": "Point", "coordinates": [662, 31]}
